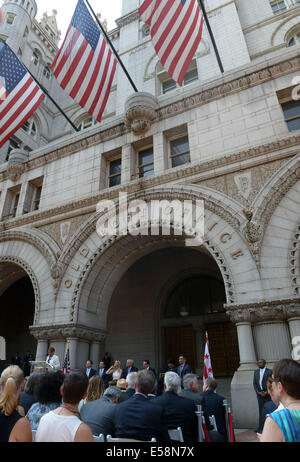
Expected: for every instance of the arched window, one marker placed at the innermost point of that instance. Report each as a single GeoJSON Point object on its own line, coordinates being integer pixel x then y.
{"type": "Point", "coordinates": [87, 122]}
{"type": "Point", "coordinates": [36, 57]}
{"type": "Point", "coordinates": [167, 84]}
{"type": "Point", "coordinates": [30, 128]}
{"type": "Point", "coordinates": [294, 39]}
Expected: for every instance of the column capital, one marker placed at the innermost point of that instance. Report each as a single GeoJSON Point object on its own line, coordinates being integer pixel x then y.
{"type": "Point", "coordinates": [264, 311]}
{"type": "Point", "coordinates": [68, 331]}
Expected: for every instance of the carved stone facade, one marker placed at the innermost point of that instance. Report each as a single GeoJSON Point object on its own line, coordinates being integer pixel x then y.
{"type": "Point", "coordinates": [244, 164]}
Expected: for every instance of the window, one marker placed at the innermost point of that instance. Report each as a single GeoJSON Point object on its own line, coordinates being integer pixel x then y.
{"type": "Point", "coordinates": [15, 205]}
{"type": "Point", "coordinates": [87, 123]}
{"type": "Point", "coordinates": [33, 195]}
{"type": "Point", "coordinates": [146, 162]}
{"type": "Point", "coordinates": [10, 18]}
{"type": "Point", "coordinates": [115, 169]}
{"type": "Point", "coordinates": [35, 58]}
{"type": "Point", "coordinates": [30, 128]}
{"type": "Point", "coordinates": [278, 6]}
{"type": "Point", "coordinates": [294, 40]}
{"type": "Point", "coordinates": [11, 203]}
{"type": "Point", "coordinates": [47, 72]}
{"type": "Point", "coordinates": [168, 84]}
{"type": "Point", "coordinates": [180, 151]}
{"type": "Point", "coordinates": [291, 112]}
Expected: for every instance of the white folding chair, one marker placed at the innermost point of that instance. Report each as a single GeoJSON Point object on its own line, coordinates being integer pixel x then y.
{"type": "Point", "coordinates": [176, 435]}
{"type": "Point", "coordinates": [109, 439]}
{"type": "Point", "coordinates": [99, 439]}
{"type": "Point", "coordinates": [213, 422]}
{"type": "Point", "coordinates": [33, 433]}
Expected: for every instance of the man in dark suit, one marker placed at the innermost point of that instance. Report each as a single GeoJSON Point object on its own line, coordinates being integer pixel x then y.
{"type": "Point", "coordinates": [89, 371]}
{"type": "Point", "coordinates": [130, 387]}
{"type": "Point", "coordinates": [146, 365]}
{"type": "Point", "coordinates": [103, 375]}
{"type": "Point", "coordinates": [260, 378]}
{"type": "Point", "coordinates": [129, 368]}
{"type": "Point", "coordinates": [214, 406]}
{"type": "Point", "coordinates": [138, 417]}
{"type": "Point", "coordinates": [16, 360]}
{"type": "Point", "coordinates": [178, 411]}
{"type": "Point", "coordinates": [99, 414]}
{"type": "Point", "coordinates": [191, 391]}
{"type": "Point", "coordinates": [183, 368]}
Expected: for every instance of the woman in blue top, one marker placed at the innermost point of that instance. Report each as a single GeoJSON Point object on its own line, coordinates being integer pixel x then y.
{"type": "Point", "coordinates": [284, 425]}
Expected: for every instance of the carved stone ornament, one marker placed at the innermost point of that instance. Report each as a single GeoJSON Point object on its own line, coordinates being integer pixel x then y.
{"type": "Point", "coordinates": [140, 112]}
{"type": "Point", "coordinates": [16, 164]}
{"type": "Point", "coordinates": [57, 271]}
{"type": "Point", "coordinates": [66, 331]}
{"type": "Point", "coordinates": [275, 310]}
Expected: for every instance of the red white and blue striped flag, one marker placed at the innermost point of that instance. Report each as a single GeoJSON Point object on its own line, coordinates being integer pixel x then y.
{"type": "Point", "coordinates": [66, 365]}
{"type": "Point", "coordinates": [85, 65]}
{"type": "Point", "coordinates": [176, 30]}
{"type": "Point", "coordinates": [20, 96]}
{"type": "Point", "coordinates": [1, 16]}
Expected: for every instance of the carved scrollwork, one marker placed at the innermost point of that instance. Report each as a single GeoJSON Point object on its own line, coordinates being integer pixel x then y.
{"type": "Point", "coordinates": [268, 311]}
{"type": "Point", "coordinates": [16, 164]}
{"type": "Point", "coordinates": [64, 332]}
{"type": "Point", "coordinates": [140, 112]}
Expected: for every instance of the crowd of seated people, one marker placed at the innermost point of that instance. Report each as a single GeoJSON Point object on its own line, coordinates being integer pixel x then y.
{"type": "Point", "coordinates": [54, 407]}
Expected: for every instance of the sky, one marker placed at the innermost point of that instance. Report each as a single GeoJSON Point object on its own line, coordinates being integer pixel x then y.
{"type": "Point", "coordinates": [109, 9]}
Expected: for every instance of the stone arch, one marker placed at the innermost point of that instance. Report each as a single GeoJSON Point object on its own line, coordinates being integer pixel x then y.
{"type": "Point", "coordinates": [281, 32]}
{"type": "Point", "coordinates": [278, 212]}
{"type": "Point", "coordinates": [29, 272]}
{"type": "Point", "coordinates": [87, 249]}
{"type": "Point", "coordinates": [274, 191]}
{"type": "Point", "coordinates": [34, 252]}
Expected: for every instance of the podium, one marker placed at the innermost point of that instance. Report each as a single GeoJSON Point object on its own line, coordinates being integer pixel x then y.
{"type": "Point", "coordinates": [40, 366]}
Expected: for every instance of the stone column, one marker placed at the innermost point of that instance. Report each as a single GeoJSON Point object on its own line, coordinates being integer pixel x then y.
{"type": "Point", "coordinates": [95, 354]}
{"type": "Point", "coordinates": [73, 343]}
{"type": "Point", "coordinates": [243, 397]}
{"type": "Point", "coordinates": [42, 350]}
{"type": "Point", "coordinates": [271, 332]}
{"type": "Point", "coordinates": [160, 149]}
{"type": "Point", "coordinates": [241, 318]}
{"type": "Point", "coordinates": [293, 316]}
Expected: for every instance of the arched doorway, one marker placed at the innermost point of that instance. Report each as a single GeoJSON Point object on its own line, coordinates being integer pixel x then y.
{"type": "Point", "coordinates": [146, 318]}
{"type": "Point", "coordinates": [17, 308]}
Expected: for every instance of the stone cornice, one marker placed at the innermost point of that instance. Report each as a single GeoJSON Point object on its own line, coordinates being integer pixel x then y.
{"type": "Point", "coordinates": [47, 40]}
{"type": "Point", "coordinates": [65, 331]}
{"type": "Point", "coordinates": [128, 18]}
{"type": "Point", "coordinates": [272, 310]}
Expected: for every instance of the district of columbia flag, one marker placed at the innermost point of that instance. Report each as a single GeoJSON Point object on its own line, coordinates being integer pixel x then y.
{"type": "Point", "coordinates": [85, 65]}
{"type": "Point", "coordinates": [20, 96]}
{"type": "Point", "coordinates": [66, 365]}
{"type": "Point", "coordinates": [207, 367]}
{"type": "Point", "coordinates": [176, 30]}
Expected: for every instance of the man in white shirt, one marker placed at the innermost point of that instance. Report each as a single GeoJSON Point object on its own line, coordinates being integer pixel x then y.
{"type": "Point", "coordinates": [53, 360]}
{"type": "Point", "coordinates": [260, 378]}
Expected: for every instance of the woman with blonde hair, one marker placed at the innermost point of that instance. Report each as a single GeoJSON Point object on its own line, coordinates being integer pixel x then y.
{"type": "Point", "coordinates": [116, 372]}
{"type": "Point", "coordinates": [13, 427]}
{"type": "Point", "coordinates": [95, 391]}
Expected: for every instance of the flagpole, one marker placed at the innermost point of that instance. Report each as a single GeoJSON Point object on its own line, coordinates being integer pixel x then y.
{"type": "Point", "coordinates": [211, 35]}
{"type": "Point", "coordinates": [112, 47]}
{"type": "Point", "coordinates": [46, 93]}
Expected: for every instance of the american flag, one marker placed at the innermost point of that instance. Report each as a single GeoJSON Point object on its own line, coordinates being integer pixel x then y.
{"type": "Point", "coordinates": [20, 96]}
{"type": "Point", "coordinates": [176, 30]}
{"type": "Point", "coordinates": [207, 367]}
{"type": "Point", "coordinates": [1, 16]}
{"type": "Point", "coordinates": [66, 365]}
{"type": "Point", "coordinates": [85, 65]}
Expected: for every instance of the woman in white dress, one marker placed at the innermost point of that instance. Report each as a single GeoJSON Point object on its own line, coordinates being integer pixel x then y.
{"type": "Point", "coordinates": [115, 371]}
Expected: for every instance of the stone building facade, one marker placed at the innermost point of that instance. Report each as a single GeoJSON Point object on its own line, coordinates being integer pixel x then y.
{"type": "Point", "coordinates": [231, 140]}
